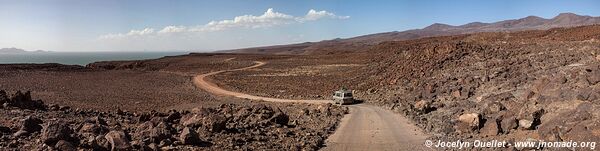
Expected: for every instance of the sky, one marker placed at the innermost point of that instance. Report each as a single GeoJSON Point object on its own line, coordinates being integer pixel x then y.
{"type": "Point", "coordinates": [198, 25]}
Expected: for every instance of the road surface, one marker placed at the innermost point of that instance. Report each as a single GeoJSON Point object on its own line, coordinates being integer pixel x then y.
{"type": "Point", "coordinates": [369, 127]}
{"type": "Point", "coordinates": [366, 127]}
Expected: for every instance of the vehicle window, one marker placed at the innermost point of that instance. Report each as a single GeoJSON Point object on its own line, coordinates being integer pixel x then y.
{"type": "Point", "coordinates": [348, 95]}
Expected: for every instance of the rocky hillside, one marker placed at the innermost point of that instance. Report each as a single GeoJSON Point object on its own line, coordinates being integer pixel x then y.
{"type": "Point", "coordinates": [531, 84]}
{"type": "Point", "coordinates": [362, 43]}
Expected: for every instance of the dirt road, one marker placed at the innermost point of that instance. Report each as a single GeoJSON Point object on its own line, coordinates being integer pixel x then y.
{"type": "Point", "coordinates": [201, 82]}
{"type": "Point", "coordinates": [367, 127]}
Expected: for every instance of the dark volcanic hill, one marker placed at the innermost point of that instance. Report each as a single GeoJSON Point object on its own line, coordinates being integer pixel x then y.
{"type": "Point", "coordinates": [362, 42]}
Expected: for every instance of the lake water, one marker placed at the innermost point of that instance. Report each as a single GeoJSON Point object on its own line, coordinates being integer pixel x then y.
{"type": "Point", "coordinates": [80, 58]}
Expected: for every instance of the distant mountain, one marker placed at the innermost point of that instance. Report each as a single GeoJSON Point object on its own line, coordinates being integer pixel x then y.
{"type": "Point", "coordinates": [41, 51]}
{"type": "Point", "coordinates": [437, 29]}
{"type": "Point", "coordinates": [12, 50]}
{"type": "Point", "coordinates": [17, 50]}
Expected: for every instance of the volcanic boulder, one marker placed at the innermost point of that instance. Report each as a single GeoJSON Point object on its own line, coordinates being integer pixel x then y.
{"type": "Point", "coordinates": [468, 122]}
{"type": "Point", "coordinates": [490, 128]}
{"type": "Point", "coordinates": [24, 101]}
{"type": "Point", "coordinates": [594, 77]}
{"type": "Point", "coordinates": [29, 125]}
{"type": "Point", "coordinates": [3, 97]}
{"type": "Point", "coordinates": [214, 123]}
{"type": "Point", "coordinates": [55, 131]}
{"type": "Point", "coordinates": [94, 126]}
{"type": "Point", "coordinates": [161, 131]}
{"type": "Point", "coordinates": [280, 118]}
{"type": "Point", "coordinates": [189, 137]}
{"type": "Point", "coordinates": [153, 133]}
{"type": "Point", "coordinates": [65, 146]}
{"type": "Point", "coordinates": [4, 129]}
{"type": "Point", "coordinates": [508, 123]}
{"type": "Point", "coordinates": [118, 140]}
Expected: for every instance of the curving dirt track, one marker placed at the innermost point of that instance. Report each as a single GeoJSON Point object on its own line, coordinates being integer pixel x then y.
{"type": "Point", "coordinates": [200, 81]}
{"type": "Point", "coordinates": [366, 127]}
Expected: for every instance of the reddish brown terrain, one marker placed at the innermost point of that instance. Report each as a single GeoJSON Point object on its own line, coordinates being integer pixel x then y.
{"type": "Point", "coordinates": [27, 124]}
{"type": "Point", "coordinates": [149, 105]}
{"type": "Point", "coordinates": [152, 85]}
{"type": "Point", "coordinates": [515, 86]}
{"type": "Point", "coordinates": [540, 85]}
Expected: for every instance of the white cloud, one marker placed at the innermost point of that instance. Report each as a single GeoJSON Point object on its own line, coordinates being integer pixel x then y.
{"type": "Point", "coordinates": [173, 29]}
{"type": "Point", "coordinates": [143, 32]}
{"type": "Point", "coordinates": [316, 15]}
{"type": "Point", "coordinates": [269, 18]}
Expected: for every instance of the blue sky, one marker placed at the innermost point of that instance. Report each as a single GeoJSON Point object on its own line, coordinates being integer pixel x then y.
{"type": "Point", "coordinates": [135, 25]}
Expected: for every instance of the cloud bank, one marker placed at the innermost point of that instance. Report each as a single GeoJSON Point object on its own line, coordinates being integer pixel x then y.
{"type": "Point", "coordinates": [269, 18]}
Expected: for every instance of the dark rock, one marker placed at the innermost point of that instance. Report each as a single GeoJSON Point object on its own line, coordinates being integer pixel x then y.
{"type": "Point", "coordinates": [165, 142]}
{"type": "Point", "coordinates": [214, 123]}
{"type": "Point", "coordinates": [24, 101]}
{"type": "Point", "coordinates": [55, 131]}
{"type": "Point", "coordinates": [118, 140]}
{"type": "Point", "coordinates": [64, 146]}
{"type": "Point", "coordinates": [4, 129]}
{"type": "Point", "coordinates": [31, 124]}
{"type": "Point", "coordinates": [508, 123]}
{"type": "Point", "coordinates": [93, 128]}
{"type": "Point", "coordinates": [3, 97]}
{"type": "Point", "coordinates": [189, 137]}
{"type": "Point", "coordinates": [490, 128]}
{"type": "Point", "coordinates": [120, 112]}
{"type": "Point", "coordinates": [96, 120]}
{"type": "Point", "coordinates": [160, 132]}
{"type": "Point", "coordinates": [280, 118]}
{"type": "Point", "coordinates": [594, 77]}
{"type": "Point", "coordinates": [153, 133]}
{"type": "Point", "coordinates": [173, 115]}
{"type": "Point", "coordinates": [144, 117]}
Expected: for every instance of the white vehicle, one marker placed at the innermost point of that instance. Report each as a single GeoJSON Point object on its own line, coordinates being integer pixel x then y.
{"type": "Point", "coordinates": [342, 97]}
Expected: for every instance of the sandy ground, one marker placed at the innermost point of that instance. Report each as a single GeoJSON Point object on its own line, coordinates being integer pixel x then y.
{"type": "Point", "coordinates": [366, 127]}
